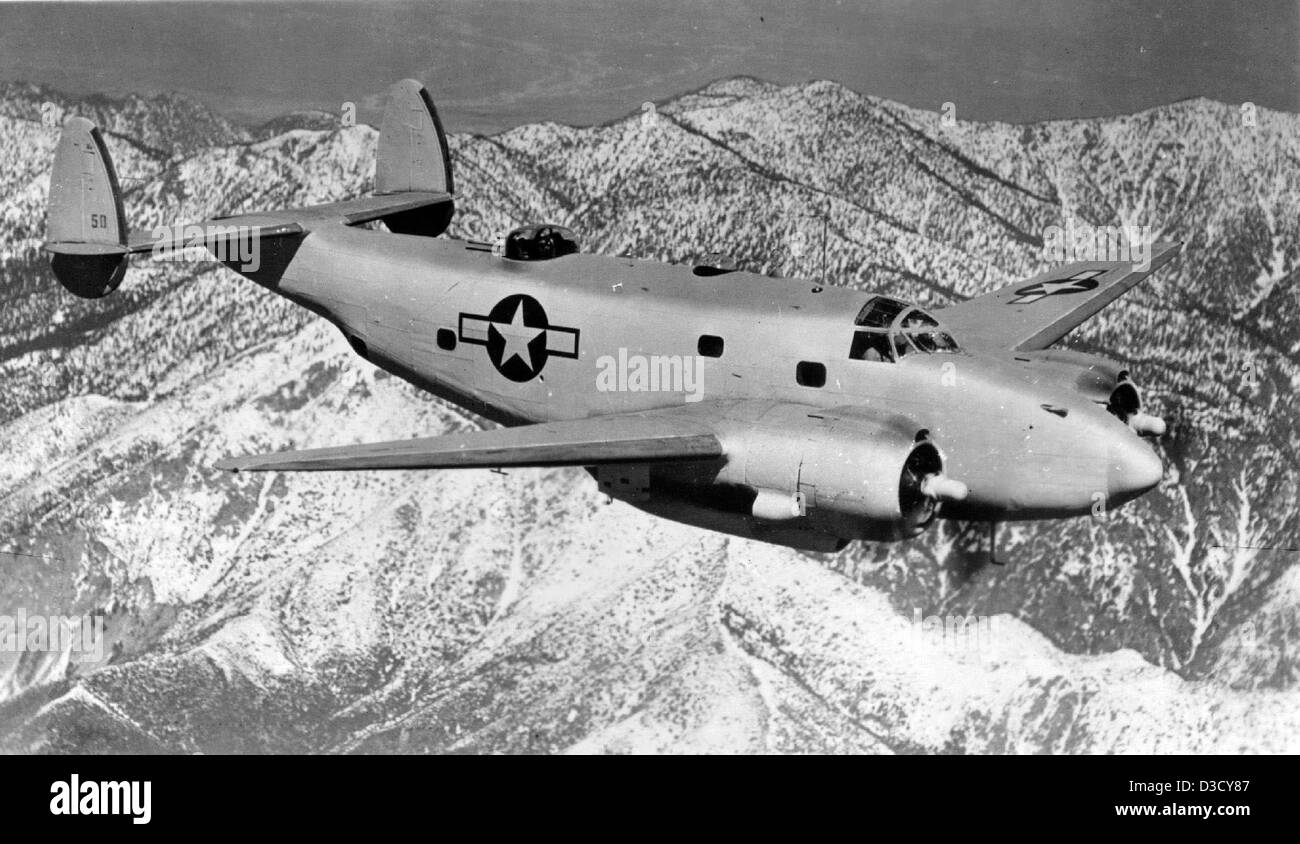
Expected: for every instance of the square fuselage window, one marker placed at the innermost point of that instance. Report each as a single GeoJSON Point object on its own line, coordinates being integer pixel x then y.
{"type": "Point", "coordinates": [710, 346]}
{"type": "Point", "coordinates": [810, 374]}
{"type": "Point", "coordinates": [446, 339]}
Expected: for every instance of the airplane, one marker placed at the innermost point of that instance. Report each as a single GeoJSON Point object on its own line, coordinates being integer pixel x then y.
{"type": "Point", "coordinates": [782, 410]}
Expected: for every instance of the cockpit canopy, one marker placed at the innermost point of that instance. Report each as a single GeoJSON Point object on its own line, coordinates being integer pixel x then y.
{"type": "Point", "coordinates": [540, 242]}
{"type": "Point", "coordinates": [889, 330]}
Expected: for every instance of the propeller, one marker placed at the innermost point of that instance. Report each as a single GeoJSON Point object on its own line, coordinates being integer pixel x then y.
{"type": "Point", "coordinates": [940, 487]}
{"type": "Point", "coordinates": [923, 484]}
{"type": "Point", "coordinates": [1147, 425]}
{"type": "Point", "coordinates": [1126, 404]}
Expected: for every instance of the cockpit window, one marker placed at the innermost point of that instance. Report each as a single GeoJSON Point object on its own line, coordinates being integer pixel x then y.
{"type": "Point", "coordinates": [872, 346]}
{"type": "Point", "coordinates": [880, 312]}
{"type": "Point", "coordinates": [891, 330]}
{"type": "Point", "coordinates": [917, 319]}
{"type": "Point", "coordinates": [540, 243]}
{"type": "Point", "coordinates": [924, 333]}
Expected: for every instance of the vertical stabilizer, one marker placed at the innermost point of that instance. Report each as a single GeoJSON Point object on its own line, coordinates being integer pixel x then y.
{"type": "Point", "coordinates": [412, 153]}
{"type": "Point", "coordinates": [413, 156]}
{"type": "Point", "coordinates": [85, 226]}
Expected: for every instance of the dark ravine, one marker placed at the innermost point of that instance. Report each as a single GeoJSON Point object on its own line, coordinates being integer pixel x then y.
{"type": "Point", "coordinates": [451, 612]}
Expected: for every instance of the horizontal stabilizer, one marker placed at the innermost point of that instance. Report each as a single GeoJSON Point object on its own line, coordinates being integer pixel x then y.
{"type": "Point", "coordinates": [583, 442]}
{"type": "Point", "coordinates": [351, 212]}
{"type": "Point", "coordinates": [209, 234]}
{"type": "Point", "coordinates": [205, 235]}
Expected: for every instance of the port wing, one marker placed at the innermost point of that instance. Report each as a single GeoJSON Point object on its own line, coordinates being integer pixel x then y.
{"type": "Point", "coordinates": [1035, 313]}
{"type": "Point", "coordinates": [633, 438]}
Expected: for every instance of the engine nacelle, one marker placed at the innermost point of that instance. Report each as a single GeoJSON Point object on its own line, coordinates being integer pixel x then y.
{"type": "Point", "coordinates": [1102, 380]}
{"type": "Point", "coordinates": [853, 473]}
{"type": "Point", "coordinates": [1090, 375]}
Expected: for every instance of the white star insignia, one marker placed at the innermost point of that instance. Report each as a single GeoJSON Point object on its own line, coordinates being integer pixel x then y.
{"type": "Point", "coordinates": [517, 336]}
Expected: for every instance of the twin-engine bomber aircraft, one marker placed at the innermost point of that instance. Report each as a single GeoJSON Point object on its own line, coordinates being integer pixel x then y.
{"type": "Point", "coordinates": [772, 409]}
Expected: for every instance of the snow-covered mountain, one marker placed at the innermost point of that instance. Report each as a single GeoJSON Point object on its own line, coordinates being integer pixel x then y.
{"type": "Point", "coordinates": [474, 611]}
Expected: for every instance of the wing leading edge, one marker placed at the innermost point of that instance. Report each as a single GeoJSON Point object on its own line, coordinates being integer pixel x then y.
{"type": "Point", "coordinates": [1035, 313]}
{"type": "Point", "coordinates": [582, 442]}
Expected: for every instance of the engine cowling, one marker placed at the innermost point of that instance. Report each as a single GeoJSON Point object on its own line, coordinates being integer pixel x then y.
{"type": "Point", "coordinates": [1100, 379]}
{"type": "Point", "coordinates": [853, 473]}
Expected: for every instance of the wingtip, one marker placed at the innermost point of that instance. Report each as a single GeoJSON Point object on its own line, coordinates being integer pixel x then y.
{"type": "Point", "coordinates": [227, 464]}
{"type": "Point", "coordinates": [1163, 252]}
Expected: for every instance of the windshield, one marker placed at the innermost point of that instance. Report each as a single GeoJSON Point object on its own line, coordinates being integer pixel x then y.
{"type": "Point", "coordinates": [890, 330]}
{"type": "Point", "coordinates": [880, 312]}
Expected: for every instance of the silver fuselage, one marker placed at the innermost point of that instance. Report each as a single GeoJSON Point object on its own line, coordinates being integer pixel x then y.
{"type": "Point", "coordinates": [1027, 443]}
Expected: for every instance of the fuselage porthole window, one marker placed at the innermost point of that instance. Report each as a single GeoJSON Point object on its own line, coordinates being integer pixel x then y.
{"type": "Point", "coordinates": [710, 346]}
{"type": "Point", "coordinates": [810, 374]}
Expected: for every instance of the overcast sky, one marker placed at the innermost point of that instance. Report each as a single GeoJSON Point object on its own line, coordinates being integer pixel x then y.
{"type": "Point", "coordinates": [492, 64]}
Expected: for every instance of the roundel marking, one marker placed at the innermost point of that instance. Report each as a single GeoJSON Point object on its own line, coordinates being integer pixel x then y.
{"type": "Point", "coordinates": [519, 337]}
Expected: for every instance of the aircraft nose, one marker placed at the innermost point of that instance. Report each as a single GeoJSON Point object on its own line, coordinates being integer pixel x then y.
{"type": "Point", "coordinates": [1133, 468]}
